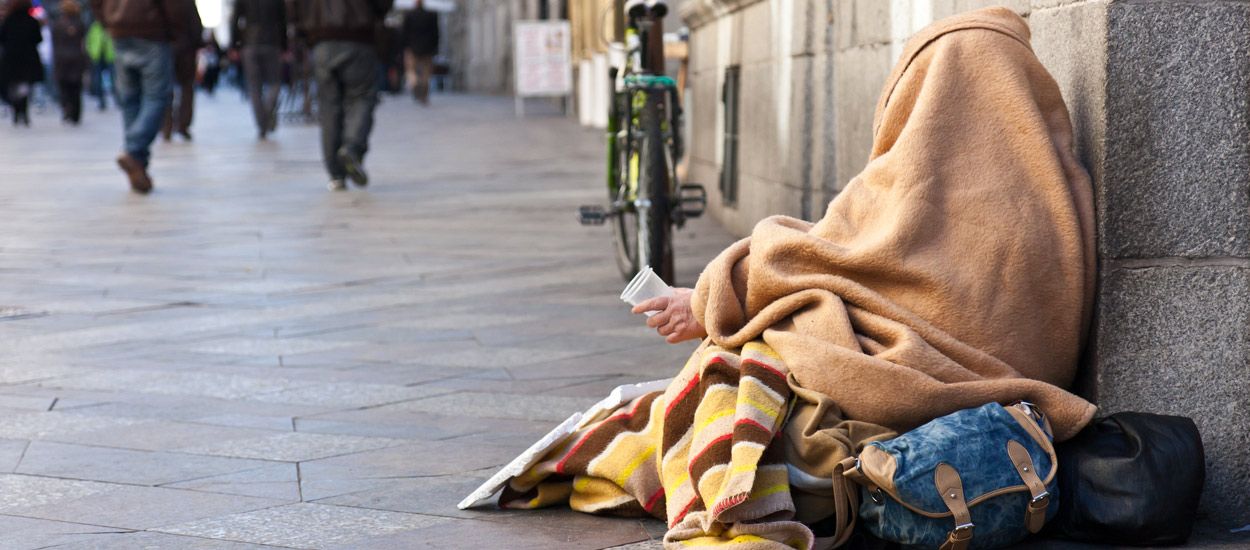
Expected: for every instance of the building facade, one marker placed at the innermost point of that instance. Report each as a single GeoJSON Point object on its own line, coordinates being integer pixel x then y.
{"type": "Point", "coordinates": [480, 40]}
{"type": "Point", "coordinates": [782, 95]}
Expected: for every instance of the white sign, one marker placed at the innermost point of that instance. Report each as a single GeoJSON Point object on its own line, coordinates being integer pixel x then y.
{"type": "Point", "coordinates": [543, 58]}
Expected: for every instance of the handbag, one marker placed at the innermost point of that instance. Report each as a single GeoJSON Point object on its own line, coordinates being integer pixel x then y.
{"type": "Point", "coordinates": [1131, 478]}
{"type": "Point", "coordinates": [978, 478]}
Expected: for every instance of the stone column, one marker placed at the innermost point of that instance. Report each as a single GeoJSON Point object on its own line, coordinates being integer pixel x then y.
{"type": "Point", "coordinates": [1160, 92]}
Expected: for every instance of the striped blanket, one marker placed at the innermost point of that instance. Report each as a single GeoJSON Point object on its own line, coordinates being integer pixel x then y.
{"type": "Point", "coordinates": [703, 454]}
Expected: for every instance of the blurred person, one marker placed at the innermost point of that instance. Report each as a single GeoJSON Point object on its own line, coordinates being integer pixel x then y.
{"type": "Point", "coordinates": [259, 31]}
{"type": "Point", "coordinates": [20, 65]}
{"type": "Point", "coordinates": [420, 46]}
{"type": "Point", "coordinates": [100, 53]}
{"type": "Point", "coordinates": [345, 63]}
{"type": "Point", "coordinates": [69, 59]}
{"type": "Point", "coordinates": [212, 58]}
{"type": "Point", "coordinates": [143, 34]}
{"type": "Point", "coordinates": [178, 113]}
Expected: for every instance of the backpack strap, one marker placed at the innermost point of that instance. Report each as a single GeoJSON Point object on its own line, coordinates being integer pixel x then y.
{"type": "Point", "coordinates": [1035, 513]}
{"type": "Point", "coordinates": [951, 487]}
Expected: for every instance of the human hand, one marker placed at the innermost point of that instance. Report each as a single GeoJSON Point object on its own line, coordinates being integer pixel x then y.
{"type": "Point", "coordinates": [675, 320]}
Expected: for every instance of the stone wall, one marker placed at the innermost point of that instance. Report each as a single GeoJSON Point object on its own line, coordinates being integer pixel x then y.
{"type": "Point", "coordinates": [1159, 94]}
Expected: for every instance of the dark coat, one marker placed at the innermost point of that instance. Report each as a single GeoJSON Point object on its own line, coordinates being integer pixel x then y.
{"type": "Point", "coordinates": [350, 20]}
{"type": "Point", "coordinates": [69, 59]}
{"type": "Point", "coordinates": [158, 20]}
{"type": "Point", "coordinates": [19, 38]}
{"type": "Point", "coordinates": [421, 31]}
{"type": "Point", "coordinates": [259, 23]}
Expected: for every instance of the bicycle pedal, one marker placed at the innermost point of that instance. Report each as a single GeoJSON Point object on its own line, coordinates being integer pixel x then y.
{"type": "Point", "coordinates": [692, 199]}
{"type": "Point", "coordinates": [591, 215]}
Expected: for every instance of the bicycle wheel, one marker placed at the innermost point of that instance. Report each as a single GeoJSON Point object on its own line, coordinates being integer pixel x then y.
{"type": "Point", "coordinates": [655, 229]}
{"type": "Point", "coordinates": [624, 192]}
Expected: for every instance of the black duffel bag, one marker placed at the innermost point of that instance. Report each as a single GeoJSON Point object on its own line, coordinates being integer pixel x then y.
{"type": "Point", "coordinates": [1130, 479]}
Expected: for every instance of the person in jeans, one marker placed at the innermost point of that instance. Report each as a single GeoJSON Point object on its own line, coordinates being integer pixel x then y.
{"type": "Point", "coordinates": [69, 59]}
{"type": "Point", "coordinates": [186, 48]}
{"type": "Point", "coordinates": [345, 64]}
{"type": "Point", "coordinates": [259, 30]}
{"type": "Point", "coordinates": [142, 31]}
{"type": "Point", "coordinates": [420, 46]}
{"type": "Point", "coordinates": [100, 52]}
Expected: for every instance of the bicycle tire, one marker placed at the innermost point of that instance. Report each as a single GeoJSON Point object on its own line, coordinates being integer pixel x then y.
{"type": "Point", "coordinates": [655, 228]}
{"type": "Point", "coordinates": [625, 223]}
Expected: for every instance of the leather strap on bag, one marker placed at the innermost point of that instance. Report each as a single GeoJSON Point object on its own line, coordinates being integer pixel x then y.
{"type": "Point", "coordinates": [951, 487]}
{"type": "Point", "coordinates": [845, 504]}
{"type": "Point", "coordinates": [1035, 513]}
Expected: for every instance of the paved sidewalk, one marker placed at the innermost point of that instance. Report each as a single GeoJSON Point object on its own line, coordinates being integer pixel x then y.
{"type": "Point", "coordinates": [246, 360]}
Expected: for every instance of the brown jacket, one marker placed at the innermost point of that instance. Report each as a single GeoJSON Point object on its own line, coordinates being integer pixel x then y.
{"type": "Point", "coordinates": [160, 20]}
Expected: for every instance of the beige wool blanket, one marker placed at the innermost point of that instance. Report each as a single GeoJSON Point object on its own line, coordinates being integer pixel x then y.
{"type": "Point", "coordinates": [956, 269]}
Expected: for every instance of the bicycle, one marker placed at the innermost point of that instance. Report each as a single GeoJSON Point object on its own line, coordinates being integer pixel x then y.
{"type": "Point", "coordinates": [646, 200]}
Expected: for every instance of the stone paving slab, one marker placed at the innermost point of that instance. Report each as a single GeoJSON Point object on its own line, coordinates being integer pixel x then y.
{"type": "Point", "coordinates": [244, 360]}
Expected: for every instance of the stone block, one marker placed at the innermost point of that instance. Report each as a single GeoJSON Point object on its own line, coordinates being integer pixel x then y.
{"type": "Point", "coordinates": [947, 8]}
{"type": "Point", "coordinates": [811, 26]}
{"type": "Point", "coordinates": [797, 163]}
{"type": "Point", "coordinates": [1178, 145]}
{"type": "Point", "coordinates": [862, 22]}
{"type": "Point", "coordinates": [1176, 340]}
{"type": "Point", "coordinates": [754, 33]}
{"type": "Point", "coordinates": [704, 49]}
{"type": "Point", "coordinates": [1044, 4]}
{"type": "Point", "coordinates": [762, 139]}
{"type": "Point", "coordinates": [1071, 43]}
{"type": "Point", "coordinates": [861, 75]}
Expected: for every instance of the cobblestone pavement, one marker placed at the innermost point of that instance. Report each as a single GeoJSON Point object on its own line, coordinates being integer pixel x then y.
{"type": "Point", "coordinates": [246, 360]}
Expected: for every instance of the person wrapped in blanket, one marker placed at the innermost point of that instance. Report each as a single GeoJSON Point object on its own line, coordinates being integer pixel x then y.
{"type": "Point", "coordinates": [957, 269]}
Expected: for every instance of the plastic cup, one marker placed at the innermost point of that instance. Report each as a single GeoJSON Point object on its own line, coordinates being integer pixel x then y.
{"type": "Point", "coordinates": [645, 286]}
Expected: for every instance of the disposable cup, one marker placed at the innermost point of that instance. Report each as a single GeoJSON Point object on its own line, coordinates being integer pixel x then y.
{"type": "Point", "coordinates": [645, 286]}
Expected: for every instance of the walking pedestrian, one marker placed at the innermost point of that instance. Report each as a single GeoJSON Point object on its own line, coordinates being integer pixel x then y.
{"type": "Point", "coordinates": [259, 30]}
{"type": "Point", "coordinates": [20, 65]}
{"type": "Point", "coordinates": [345, 63]}
{"type": "Point", "coordinates": [420, 46]}
{"type": "Point", "coordinates": [100, 52]}
{"type": "Point", "coordinates": [212, 58]}
{"type": "Point", "coordinates": [69, 59]}
{"type": "Point", "coordinates": [186, 48]}
{"type": "Point", "coordinates": [143, 32]}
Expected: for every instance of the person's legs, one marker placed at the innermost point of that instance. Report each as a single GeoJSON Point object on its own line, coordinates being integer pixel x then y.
{"type": "Point", "coordinates": [425, 69]}
{"type": "Point", "coordinates": [167, 121]}
{"type": "Point", "coordinates": [97, 86]}
{"type": "Point", "coordinates": [271, 74]}
{"type": "Point", "coordinates": [155, 70]}
{"type": "Point", "coordinates": [410, 71]}
{"type": "Point", "coordinates": [359, 99]}
{"type": "Point", "coordinates": [71, 100]}
{"type": "Point", "coordinates": [255, 86]}
{"type": "Point", "coordinates": [126, 80]}
{"type": "Point", "coordinates": [326, 58]}
{"type": "Point", "coordinates": [72, 92]}
{"type": "Point", "coordinates": [184, 72]}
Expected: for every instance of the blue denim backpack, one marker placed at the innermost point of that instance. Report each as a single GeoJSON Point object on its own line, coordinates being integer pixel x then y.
{"type": "Point", "coordinates": [977, 478]}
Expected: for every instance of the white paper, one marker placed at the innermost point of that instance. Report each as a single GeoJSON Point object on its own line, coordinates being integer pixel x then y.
{"type": "Point", "coordinates": [617, 397]}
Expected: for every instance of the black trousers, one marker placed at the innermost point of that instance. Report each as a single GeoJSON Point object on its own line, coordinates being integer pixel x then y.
{"type": "Point", "coordinates": [71, 100]}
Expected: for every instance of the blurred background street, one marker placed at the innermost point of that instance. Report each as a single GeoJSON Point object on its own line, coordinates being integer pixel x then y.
{"type": "Point", "coordinates": [243, 359]}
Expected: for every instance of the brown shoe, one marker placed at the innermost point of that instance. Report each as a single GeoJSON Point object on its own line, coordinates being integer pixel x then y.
{"type": "Point", "coordinates": [139, 181]}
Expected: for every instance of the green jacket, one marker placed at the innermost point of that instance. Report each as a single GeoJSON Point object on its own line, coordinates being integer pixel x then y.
{"type": "Point", "coordinates": [99, 44]}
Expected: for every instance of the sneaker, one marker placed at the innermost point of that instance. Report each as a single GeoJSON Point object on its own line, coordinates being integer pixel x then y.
{"type": "Point", "coordinates": [337, 185]}
{"type": "Point", "coordinates": [140, 182]}
{"type": "Point", "coordinates": [355, 169]}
